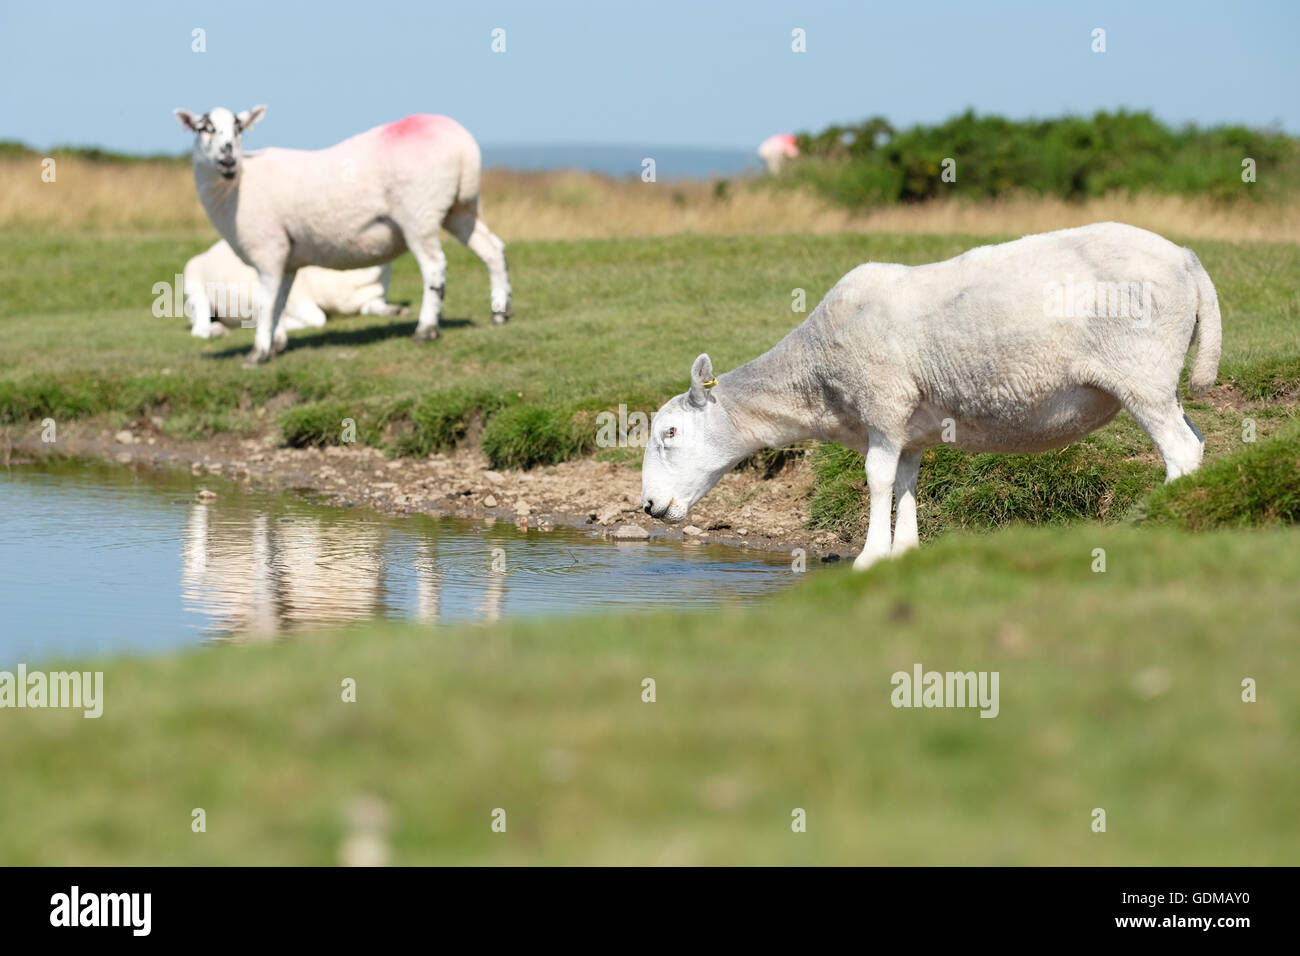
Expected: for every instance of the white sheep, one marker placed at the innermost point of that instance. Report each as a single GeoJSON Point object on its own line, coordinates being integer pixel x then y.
{"type": "Point", "coordinates": [775, 150]}
{"type": "Point", "coordinates": [361, 202]}
{"type": "Point", "coordinates": [1018, 347]}
{"type": "Point", "coordinates": [219, 286]}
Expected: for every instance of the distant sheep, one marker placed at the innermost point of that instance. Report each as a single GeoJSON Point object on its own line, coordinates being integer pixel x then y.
{"type": "Point", "coordinates": [361, 202]}
{"type": "Point", "coordinates": [1018, 347]}
{"type": "Point", "coordinates": [218, 286]}
{"type": "Point", "coordinates": [775, 150]}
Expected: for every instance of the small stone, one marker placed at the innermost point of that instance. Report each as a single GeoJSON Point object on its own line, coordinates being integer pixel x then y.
{"type": "Point", "coordinates": [608, 515]}
{"type": "Point", "coordinates": [494, 477]}
{"type": "Point", "coordinates": [385, 484]}
{"type": "Point", "coordinates": [742, 531]}
{"type": "Point", "coordinates": [124, 438]}
{"type": "Point", "coordinates": [522, 508]}
{"type": "Point", "coordinates": [692, 530]}
{"type": "Point", "coordinates": [630, 532]}
{"type": "Point", "coordinates": [196, 468]}
{"type": "Point", "coordinates": [490, 501]}
{"type": "Point", "coordinates": [215, 468]}
{"type": "Point", "coordinates": [205, 494]}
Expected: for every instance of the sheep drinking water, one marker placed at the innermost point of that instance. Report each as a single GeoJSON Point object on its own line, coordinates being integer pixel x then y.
{"type": "Point", "coordinates": [1018, 347]}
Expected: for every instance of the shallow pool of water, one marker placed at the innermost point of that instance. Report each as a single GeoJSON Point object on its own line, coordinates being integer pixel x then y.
{"type": "Point", "coordinates": [96, 558]}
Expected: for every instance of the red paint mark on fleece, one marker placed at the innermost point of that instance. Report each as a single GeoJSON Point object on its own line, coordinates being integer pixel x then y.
{"type": "Point", "coordinates": [419, 126]}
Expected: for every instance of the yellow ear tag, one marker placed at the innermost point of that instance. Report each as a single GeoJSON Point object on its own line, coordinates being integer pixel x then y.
{"type": "Point", "coordinates": [710, 383]}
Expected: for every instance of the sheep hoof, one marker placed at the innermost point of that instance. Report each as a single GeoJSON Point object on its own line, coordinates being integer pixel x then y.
{"type": "Point", "coordinates": [281, 345]}
{"type": "Point", "coordinates": [500, 318]}
{"type": "Point", "coordinates": [425, 335]}
{"type": "Point", "coordinates": [256, 358]}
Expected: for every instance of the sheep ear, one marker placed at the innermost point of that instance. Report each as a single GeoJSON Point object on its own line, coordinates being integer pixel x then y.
{"type": "Point", "coordinates": [701, 381]}
{"type": "Point", "coordinates": [247, 118]}
{"type": "Point", "coordinates": [189, 120]}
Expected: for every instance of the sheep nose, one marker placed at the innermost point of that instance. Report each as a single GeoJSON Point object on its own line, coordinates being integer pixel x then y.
{"type": "Point", "coordinates": [649, 507]}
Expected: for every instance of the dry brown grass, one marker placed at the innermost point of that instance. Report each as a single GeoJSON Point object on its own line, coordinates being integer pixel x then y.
{"type": "Point", "coordinates": [99, 197]}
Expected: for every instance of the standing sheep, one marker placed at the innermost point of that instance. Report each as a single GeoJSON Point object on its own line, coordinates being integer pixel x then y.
{"type": "Point", "coordinates": [218, 286]}
{"type": "Point", "coordinates": [1018, 347]}
{"type": "Point", "coordinates": [775, 150]}
{"type": "Point", "coordinates": [361, 202]}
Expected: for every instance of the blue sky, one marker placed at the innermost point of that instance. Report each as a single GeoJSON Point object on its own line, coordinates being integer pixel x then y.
{"type": "Point", "coordinates": [668, 72]}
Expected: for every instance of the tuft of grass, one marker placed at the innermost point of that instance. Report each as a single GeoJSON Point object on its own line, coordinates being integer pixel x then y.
{"type": "Point", "coordinates": [442, 420]}
{"type": "Point", "coordinates": [1259, 485]}
{"type": "Point", "coordinates": [523, 436]}
{"type": "Point", "coordinates": [979, 491]}
{"type": "Point", "coordinates": [1071, 484]}
{"type": "Point", "coordinates": [319, 423]}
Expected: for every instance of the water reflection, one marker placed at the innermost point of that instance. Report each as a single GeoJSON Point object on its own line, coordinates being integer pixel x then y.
{"type": "Point", "coordinates": [255, 574]}
{"type": "Point", "coordinates": [155, 568]}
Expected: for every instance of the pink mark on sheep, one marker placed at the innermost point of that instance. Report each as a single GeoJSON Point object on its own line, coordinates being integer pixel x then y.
{"type": "Point", "coordinates": [419, 126]}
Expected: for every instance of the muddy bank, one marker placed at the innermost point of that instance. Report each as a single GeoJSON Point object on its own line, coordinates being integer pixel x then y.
{"type": "Point", "coordinates": [745, 510]}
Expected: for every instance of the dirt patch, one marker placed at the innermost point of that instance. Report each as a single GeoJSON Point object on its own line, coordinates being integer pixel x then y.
{"type": "Point", "coordinates": [745, 510]}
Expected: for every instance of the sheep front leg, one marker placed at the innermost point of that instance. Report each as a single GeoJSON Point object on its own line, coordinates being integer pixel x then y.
{"type": "Point", "coordinates": [199, 311]}
{"type": "Point", "coordinates": [905, 534]}
{"type": "Point", "coordinates": [882, 464]}
{"type": "Point", "coordinates": [273, 293]}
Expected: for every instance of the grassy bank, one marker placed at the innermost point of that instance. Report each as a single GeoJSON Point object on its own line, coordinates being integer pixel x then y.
{"type": "Point", "coordinates": [1118, 690]}
{"type": "Point", "coordinates": [599, 324]}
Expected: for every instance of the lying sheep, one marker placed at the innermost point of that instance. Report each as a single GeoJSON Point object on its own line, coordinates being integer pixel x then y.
{"type": "Point", "coordinates": [361, 202]}
{"type": "Point", "coordinates": [1018, 347]}
{"type": "Point", "coordinates": [219, 286]}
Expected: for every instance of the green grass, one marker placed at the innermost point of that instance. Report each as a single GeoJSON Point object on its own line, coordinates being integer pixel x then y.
{"type": "Point", "coordinates": [1119, 690]}
{"type": "Point", "coordinates": [1104, 478]}
{"type": "Point", "coordinates": [1258, 486]}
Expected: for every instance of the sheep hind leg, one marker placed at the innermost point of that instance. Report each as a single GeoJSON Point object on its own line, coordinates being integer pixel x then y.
{"type": "Point", "coordinates": [433, 270]}
{"type": "Point", "coordinates": [882, 467]}
{"type": "Point", "coordinates": [466, 226]}
{"type": "Point", "coordinates": [1177, 439]}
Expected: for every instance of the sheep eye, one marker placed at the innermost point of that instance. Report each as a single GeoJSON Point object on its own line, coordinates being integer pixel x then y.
{"type": "Point", "coordinates": [670, 433]}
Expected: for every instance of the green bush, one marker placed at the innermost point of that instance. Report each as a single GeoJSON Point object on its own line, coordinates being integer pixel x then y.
{"type": "Point", "coordinates": [1072, 157]}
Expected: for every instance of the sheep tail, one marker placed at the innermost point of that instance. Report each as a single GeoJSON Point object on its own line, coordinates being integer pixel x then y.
{"type": "Point", "coordinates": [1208, 333]}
